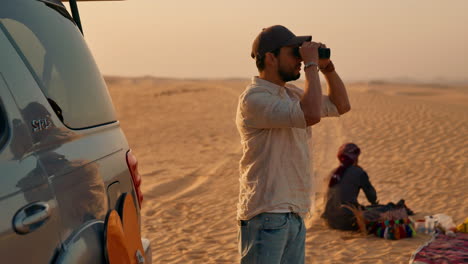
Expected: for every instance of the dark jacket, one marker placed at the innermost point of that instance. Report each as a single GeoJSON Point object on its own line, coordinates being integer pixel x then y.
{"type": "Point", "coordinates": [346, 192]}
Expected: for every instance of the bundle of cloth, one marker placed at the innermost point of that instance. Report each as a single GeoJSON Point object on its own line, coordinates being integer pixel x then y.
{"type": "Point", "coordinates": [389, 221]}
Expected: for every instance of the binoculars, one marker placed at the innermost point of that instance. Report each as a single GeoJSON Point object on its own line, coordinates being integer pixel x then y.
{"type": "Point", "coordinates": [324, 53]}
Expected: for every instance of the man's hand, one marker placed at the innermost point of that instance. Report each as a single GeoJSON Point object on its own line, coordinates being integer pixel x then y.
{"type": "Point", "coordinates": [309, 51]}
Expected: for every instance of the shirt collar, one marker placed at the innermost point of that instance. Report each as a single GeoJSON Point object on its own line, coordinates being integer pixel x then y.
{"type": "Point", "coordinates": [273, 88]}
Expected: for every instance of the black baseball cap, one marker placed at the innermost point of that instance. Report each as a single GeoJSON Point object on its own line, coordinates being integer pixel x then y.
{"type": "Point", "coordinates": [275, 37]}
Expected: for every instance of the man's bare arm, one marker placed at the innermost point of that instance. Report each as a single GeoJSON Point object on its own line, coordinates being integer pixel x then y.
{"type": "Point", "coordinates": [337, 92]}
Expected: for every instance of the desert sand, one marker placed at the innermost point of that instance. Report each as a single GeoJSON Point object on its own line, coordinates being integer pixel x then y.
{"type": "Point", "coordinates": [413, 140]}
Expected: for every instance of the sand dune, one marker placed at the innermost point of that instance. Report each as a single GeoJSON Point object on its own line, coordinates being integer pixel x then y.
{"type": "Point", "coordinates": [414, 142]}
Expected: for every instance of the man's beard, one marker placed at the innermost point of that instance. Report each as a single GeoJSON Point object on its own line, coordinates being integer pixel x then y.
{"type": "Point", "coordinates": [287, 76]}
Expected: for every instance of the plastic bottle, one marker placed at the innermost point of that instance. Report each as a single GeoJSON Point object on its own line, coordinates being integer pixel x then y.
{"type": "Point", "coordinates": [419, 226]}
{"type": "Point", "coordinates": [429, 224]}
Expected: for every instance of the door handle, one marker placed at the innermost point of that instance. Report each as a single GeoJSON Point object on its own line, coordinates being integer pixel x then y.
{"type": "Point", "coordinates": [31, 217]}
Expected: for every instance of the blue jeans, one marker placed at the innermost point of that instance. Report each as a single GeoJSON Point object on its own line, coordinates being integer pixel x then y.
{"type": "Point", "coordinates": [272, 238]}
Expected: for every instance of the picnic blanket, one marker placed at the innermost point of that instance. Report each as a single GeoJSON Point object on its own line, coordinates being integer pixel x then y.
{"type": "Point", "coordinates": [443, 249]}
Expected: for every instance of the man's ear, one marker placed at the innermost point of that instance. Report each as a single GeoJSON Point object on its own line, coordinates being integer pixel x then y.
{"type": "Point", "coordinates": [270, 59]}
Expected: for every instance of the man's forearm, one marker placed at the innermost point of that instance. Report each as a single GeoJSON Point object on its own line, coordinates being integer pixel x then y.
{"type": "Point", "coordinates": [337, 92]}
{"type": "Point", "coordinates": [311, 101]}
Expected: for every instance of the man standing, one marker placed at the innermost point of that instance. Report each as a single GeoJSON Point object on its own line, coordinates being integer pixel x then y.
{"type": "Point", "coordinates": [273, 119]}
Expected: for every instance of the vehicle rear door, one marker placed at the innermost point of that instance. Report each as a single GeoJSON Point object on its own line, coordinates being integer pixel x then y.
{"type": "Point", "coordinates": [29, 215]}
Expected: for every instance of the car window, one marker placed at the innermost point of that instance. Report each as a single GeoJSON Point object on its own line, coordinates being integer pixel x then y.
{"type": "Point", "coordinates": [55, 52]}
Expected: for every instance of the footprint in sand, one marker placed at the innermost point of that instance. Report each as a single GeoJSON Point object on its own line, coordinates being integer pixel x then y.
{"type": "Point", "coordinates": [192, 183]}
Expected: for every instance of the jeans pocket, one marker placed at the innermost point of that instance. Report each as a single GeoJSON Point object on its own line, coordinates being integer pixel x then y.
{"type": "Point", "coordinates": [245, 239]}
{"type": "Point", "coordinates": [275, 221]}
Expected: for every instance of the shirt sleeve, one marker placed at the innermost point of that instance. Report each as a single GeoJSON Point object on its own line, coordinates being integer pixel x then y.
{"type": "Point", "coordinates": [368, 189]}
{"type": "Point", "coordinates": [328, 107]}
{"type": "Point", "coordinates": [264, 110]}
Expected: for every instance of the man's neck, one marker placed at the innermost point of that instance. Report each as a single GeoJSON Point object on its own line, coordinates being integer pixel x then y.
{"type": "Point", "coordinates": [273, 78]}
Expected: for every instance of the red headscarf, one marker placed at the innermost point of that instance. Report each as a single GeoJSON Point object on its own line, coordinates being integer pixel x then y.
{"type": "Point", "coordinates": [347, 155]}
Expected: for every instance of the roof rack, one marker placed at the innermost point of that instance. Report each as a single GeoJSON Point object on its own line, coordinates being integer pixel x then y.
{"type": "Point", "coordinates": [76, 13]}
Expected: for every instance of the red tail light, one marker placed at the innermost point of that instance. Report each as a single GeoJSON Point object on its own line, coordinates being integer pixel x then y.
{"type": "Point", "coordinates": [132, 163]}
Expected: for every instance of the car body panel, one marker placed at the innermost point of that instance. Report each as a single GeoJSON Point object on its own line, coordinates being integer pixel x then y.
{"type": "Point", "coordinates": [76, 249]}
{"type": "Point", "coordinates": [74, 175]}
{"type": "Point", "coordinates": [24, 183]}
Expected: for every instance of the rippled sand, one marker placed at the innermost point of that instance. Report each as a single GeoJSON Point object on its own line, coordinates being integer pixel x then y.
{"type": "Point", "coordinates": [413, 140]}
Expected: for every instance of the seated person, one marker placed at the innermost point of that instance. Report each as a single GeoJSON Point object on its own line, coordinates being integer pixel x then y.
{"type": "Point", "coordinates": [345, 183]}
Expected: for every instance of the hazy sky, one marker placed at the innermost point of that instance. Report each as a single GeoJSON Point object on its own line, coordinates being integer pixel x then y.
{"type": "Point", "coordinates": [370, 39]}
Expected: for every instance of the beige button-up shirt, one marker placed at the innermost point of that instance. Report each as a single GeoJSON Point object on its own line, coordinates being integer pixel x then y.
{"type": "Point", "coordinates": [275, 174]}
